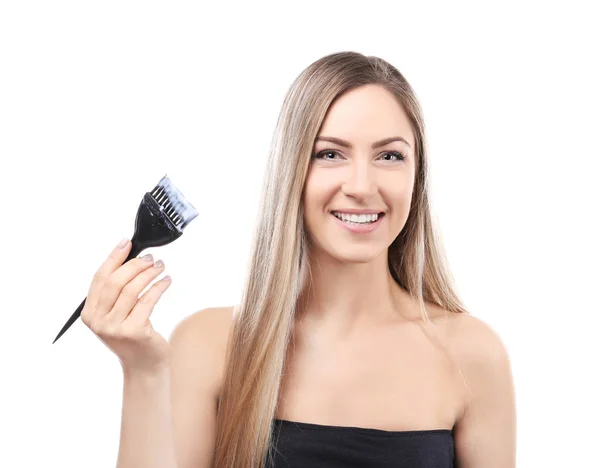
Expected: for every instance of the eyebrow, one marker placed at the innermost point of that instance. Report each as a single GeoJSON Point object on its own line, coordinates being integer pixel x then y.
{"type": "Point", "coordinates": [377, 144]}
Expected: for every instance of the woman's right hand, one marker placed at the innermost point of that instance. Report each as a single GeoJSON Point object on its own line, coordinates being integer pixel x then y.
{"type": "Point", "coordinates": [120, 319]}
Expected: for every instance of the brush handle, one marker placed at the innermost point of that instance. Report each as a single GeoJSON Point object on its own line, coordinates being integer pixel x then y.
{"type": "Point", "coordinates": [136, 248]}
{"type": "Point", "coordinates": [153, 228]}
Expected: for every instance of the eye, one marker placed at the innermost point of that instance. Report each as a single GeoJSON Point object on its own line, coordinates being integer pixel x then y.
{"type": "Point", "coordinates": [320, 154]}
{"type": "Point", "coordinates": [396, 154]}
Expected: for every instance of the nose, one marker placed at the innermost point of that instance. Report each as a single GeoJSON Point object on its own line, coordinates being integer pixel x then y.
{"type": "Point", "coordinates": [361, 182]}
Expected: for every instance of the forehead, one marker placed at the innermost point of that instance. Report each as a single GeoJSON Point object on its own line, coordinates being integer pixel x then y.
{"type": "Point", "coordinates": [366, 114]}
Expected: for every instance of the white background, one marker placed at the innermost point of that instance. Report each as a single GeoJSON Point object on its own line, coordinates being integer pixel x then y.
{"type": "Point", "coordinates": [98, 100]}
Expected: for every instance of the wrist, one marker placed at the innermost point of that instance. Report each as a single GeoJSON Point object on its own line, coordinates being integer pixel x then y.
{"type": "Point", "coordinates": [148, 374]}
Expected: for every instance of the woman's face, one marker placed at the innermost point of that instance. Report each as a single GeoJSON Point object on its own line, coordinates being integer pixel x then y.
{"type": "Point", "coordinates": [350, 174]}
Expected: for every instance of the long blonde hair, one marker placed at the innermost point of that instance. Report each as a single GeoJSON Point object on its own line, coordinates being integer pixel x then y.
{"type": "Point", "coordinates": [279, 266]}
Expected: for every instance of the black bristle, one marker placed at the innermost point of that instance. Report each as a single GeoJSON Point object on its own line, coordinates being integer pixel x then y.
{"type": "Point", "coordinates": [174, 204]}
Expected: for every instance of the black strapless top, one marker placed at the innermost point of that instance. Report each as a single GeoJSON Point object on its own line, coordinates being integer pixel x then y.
{"type": "Point", "coordinates": [307, 445]}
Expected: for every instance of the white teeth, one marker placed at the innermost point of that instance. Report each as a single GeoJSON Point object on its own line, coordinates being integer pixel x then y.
{"type": "Point", "coordinates": [363, 218]}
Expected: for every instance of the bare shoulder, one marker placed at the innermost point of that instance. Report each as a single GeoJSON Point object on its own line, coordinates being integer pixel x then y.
{"type": "Point", "coordinates": [470, 337]}
{"type": "Point", "coordinates": [485, 363]}
{"type": "Point", "coordinates": [199, 344]}
{"type": "Point", "coordinates": [476, 343]}
{"type": "Point", "coordinates": [485, 433]}
{"type": "Point", "coordinates": [212, 317]}
{"type": "Point", "coordinates": [474, 346]}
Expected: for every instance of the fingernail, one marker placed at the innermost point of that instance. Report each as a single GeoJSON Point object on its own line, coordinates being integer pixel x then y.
{"type": "Point", "coordinates": [123, 243]}
{"type": "Point", "coordinates": [147, 258]}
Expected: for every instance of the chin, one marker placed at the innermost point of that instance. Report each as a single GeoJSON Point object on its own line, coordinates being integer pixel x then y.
{"type": "Point", "coordinates": [353, 254]}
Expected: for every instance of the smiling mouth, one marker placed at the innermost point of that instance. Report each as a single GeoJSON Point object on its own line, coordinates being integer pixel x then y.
{"type": "Point", "coordinates": [363, 223]}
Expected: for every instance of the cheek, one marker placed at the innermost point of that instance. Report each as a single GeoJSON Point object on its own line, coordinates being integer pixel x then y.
{"type": "Point", "coordinates": [310, 201]}
{"type": "Point", "coordinates": [398, 188]}
{"type": "Point", "coordinates": [317, 193]}
{"type": "Point", "coordinates": [402, 196]}
{"type": "Point", "coordinates": [316, 196]}
{"type": "Point", "coordinates": [400, 199]}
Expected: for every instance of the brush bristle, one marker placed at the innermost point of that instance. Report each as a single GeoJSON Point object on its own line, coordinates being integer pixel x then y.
{"type": "Point", "coordinates": [178, 209]}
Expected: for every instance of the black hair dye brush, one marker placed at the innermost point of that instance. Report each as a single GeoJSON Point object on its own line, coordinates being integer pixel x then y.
{"type": "Point", "coordinates": [161, 218]}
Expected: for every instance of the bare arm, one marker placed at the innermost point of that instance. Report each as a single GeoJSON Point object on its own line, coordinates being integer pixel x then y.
{"type": "Point", "coordinates": [169, 418]}
{"type": "Point", "coordinates": [485, 436]}
{"type": "Point", "coordinates": [146, 423]}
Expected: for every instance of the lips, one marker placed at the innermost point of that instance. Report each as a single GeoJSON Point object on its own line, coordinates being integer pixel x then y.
{"type": "Point", "coordinates": [380, 214]}
{"type": "Point", "coordinates": [358, 212]}
{"type": "Point", "coordinates": [359, 228]}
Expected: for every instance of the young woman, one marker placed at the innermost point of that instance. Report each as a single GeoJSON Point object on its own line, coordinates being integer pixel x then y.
{"type": "Point", "coordinates": [350, 346]}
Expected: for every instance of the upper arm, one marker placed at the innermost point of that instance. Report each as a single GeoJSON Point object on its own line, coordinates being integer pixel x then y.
{"type": "Point", "coordinates": [485, 435]}
{"type": "Point", "coordinates": [197, 357]}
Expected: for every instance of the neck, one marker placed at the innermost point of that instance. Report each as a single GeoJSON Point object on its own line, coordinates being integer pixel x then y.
{"type": "Point", "coordinates": [344, 297]}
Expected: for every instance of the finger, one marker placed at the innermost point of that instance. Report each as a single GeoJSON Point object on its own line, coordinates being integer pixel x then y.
{"type": "Point", "coordinates": [114, 261]}
{"type": "Point", "coordinates": [116, 258]}
{"type": "Point", "coordinates": [145, 304]}
{"type": "Point", "coordinates": [114, 284]}
{"type": "Point", "coordinates": [131, 292]}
